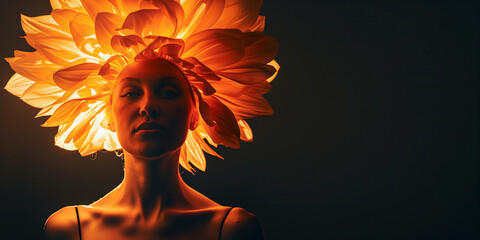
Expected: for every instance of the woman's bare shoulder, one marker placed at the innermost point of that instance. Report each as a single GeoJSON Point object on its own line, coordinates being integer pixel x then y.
{"type": "Point", "coordinates": [62, 225]}
{"type": "Point", "coordinates": [241, 225]}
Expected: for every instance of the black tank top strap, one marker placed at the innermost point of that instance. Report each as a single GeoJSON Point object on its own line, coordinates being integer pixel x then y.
{"type": "Point", "coordinates": [223, 221]}
{"type": "Point", "coordinates": [78, 223]}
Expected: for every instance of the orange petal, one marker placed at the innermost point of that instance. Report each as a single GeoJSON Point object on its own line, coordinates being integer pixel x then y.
{"type": "Point", "coordinates": [259, 50]}
{"type": "Point", "coordinates": [225, 131]}
{"type": "Point", "coordinates": [239, 14]}
{"type": "Point", "coordinates": [259, 25]}
{"type": "Point", "coordinates": [128, 46]}
{"type": "Point", "coordinates": [245, 131]}
{"type": "Point", "coordinates": [63, 17]}
{"type": "Point", "coordinates": [96, 6]}
{"type": "Point", "coordinates": [105, 28]}
{"type": "Point", "coordinates": [41, 95]}
{"type": "Point", "coordinates": [194, 152]}
{"type": "Point", "coordinates": [215, 48]}
{"type": "Point", "coordinates": [67, 78]}
{"type": "Point", "coordinates": [18, 84]}
{"type": "Point", "coordinates": [204, 109]}
{"type": "Point", "coordinates": [41, 26]}
{"type": "Point", "coordinates": [34, 67]}
{"type": "Point", "coordinates": [247, 106]}
{"type": "Point", "coordinates": [249, 75]}
{"type": "Point", "coordinates": [70, 110]}
{"type": "Point", "coordinates": [147, 22]}
{"type": "Point", "coordinates": [200, 15]}
{"type": "Point", "coordinates": [61, 51]}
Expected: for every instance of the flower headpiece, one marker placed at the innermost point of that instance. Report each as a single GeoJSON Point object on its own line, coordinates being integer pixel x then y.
{"type": "Point", "coordinates": [83, 45]}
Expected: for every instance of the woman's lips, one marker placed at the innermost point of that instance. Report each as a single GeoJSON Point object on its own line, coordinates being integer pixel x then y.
{"type": "Point", "coordinates": [149, 127]}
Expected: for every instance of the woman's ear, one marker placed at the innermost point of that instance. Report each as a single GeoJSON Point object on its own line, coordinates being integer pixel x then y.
{"type": "Point", "coordinates": [194, 118]}
{"type": "Point", "coordinates": [109, 117]}
{"type": "Point", "coordinates": [111, 126]}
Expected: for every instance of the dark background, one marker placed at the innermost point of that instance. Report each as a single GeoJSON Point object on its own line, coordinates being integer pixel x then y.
{"type": "Point", "coordinates": [375, 134]}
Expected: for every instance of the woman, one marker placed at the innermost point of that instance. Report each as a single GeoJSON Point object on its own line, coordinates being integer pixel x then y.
{"type": "Point", "coordinates": [152, 107]}
{"type": "Point", "coordinates": [157, 79]}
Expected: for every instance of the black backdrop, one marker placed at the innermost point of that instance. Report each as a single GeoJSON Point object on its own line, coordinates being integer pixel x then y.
{"type": "Point", "coordinates": [375, 134]}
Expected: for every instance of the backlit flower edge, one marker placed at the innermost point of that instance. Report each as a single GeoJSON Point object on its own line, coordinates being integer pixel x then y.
{"type": "Point", "coordinates": [82, 46]}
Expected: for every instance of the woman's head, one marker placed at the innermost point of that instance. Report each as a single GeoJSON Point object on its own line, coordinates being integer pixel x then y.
{"type": "Point", "coordinates": [152, 108]}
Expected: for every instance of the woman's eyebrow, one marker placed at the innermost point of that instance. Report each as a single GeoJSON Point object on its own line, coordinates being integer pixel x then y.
{"type": "Point", "coordinates": [130, 79]}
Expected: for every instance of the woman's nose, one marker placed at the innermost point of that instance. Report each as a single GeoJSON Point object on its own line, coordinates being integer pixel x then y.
{"type": "Point", "coordinates": [147, 107]}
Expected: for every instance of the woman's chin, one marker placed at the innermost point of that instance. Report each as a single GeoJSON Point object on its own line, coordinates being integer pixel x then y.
{"type": "Point", "coordinates": [150, 151]}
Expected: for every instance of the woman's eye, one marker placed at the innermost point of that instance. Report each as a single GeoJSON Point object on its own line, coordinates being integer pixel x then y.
{"type": "Point", "coordinates": [130, 94]}
{"type": "Point", "coordinates": [169, 93]}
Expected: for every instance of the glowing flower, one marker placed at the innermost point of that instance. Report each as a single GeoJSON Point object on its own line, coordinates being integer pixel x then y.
{"type": "Point", "coordinates": [82, 46]}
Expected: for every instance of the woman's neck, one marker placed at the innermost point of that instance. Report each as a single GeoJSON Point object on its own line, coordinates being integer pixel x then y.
{"type": "Point", "coordinates": [152, 185]}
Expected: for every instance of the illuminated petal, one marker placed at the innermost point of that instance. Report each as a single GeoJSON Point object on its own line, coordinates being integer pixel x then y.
{"type": "Point", "coordinates": [42, 26]}
{"type": "Point", "coordinates": [63, 17]}
{"type": "Point", "coordinates": [65, 4]}
{"type": "Point", "coordinates": [239, 14]}
{"type": "Point", "coordinates": [34, 67]}
{"type": "Point", "coordinates": [246, 106]}
{"type": "Point", "coordinates": [128, 6]}
{"type": "Point", "coordinates": [249, 75]}
{"type": "Point", "coordinates": [204, 109]}
{"type": "Point", "coordinates": [82, 29]}
{"type": "Point", "coordinates": [105, 28]}
{"type": "Point", "coordinates": [245, 131]}
{"type": "Point", "coordinates": [194, 152]}
{"type": "Point", "coordinates": [200, 15]}
{"type": "Point", "coordinates": [128, 46]}
{"type": "Point", "coordinates": [94, 7]}
{"type": "Point", "coordinates": [259, 25]}
{"type": "Point", "coordinates": [18, 84]}
{"type": "Point", "coordinates": [259, 50]}
{"type": "Point", "coordinates": [68, 77]}
{"type": "Point", "coordinates": [148, 22]}
{"type": "Point", "coordinates": [61, 51]}
{"type": "Point", "coordinates": [211, 45]}
{"type": "Point", "coordinates": [225, 131]}
{"type": "Point", "coordinates": [41, 95]}
{"type": "Point", "coordinates": [70, 110]}
{"type": "Point", "coordinates": [274, 64]}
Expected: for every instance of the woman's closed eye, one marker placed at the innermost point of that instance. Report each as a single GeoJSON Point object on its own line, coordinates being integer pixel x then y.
{"type": "Point", "coordinates": [169, 92]}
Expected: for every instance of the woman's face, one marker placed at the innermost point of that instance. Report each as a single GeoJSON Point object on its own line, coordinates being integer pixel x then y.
{"type": "Point", "coordinates": [152, 106]}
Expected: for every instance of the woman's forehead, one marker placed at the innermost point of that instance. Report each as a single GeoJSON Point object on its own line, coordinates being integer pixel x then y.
{"type": "Point", "coordinates": [158, 70]}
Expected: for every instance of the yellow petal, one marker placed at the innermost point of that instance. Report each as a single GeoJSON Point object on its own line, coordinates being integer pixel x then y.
{"type": "Point", "coordinates": [61, 51]}
{"type": "Point", "coordinates": [41, 95]}
{"type": "Point", "coordinates": [34, 67]}
{"type": "Point", "coordinates": [18, 84]}
{"type": "Point", "coordinates": [41, 26]}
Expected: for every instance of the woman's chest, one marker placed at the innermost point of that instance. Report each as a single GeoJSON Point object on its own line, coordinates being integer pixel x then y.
{"type": "Point", "coordinates": [168, 226]}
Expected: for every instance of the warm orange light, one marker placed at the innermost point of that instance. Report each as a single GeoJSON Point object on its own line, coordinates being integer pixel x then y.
{"type": "Point", "coordinates": [84, 44]}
